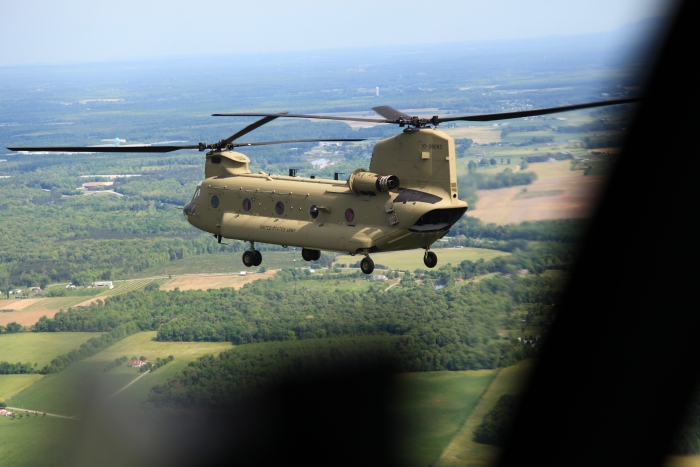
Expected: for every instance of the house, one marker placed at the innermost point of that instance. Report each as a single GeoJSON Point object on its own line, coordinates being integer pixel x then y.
{"type": "Point", "coordinates": [379, 278]}
{"type": "Point", "coordinates": [5, 413]}
{"type": "Point", "coordinates": [137, 363]}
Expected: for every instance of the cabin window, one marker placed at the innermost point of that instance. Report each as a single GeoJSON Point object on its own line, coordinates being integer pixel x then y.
{"type": "Point", "coordinates": [215, 201]}
{"type": "Point", "coordinates": [313, 211]}
{"type": "Point", "coordinates": [216, 159]}
{"type": "Point", "coordinates": [247, 205]}
{"type": "Point", "coordinates": [279, 208]}
{"type": "Point", "coordinates": [349, 215]}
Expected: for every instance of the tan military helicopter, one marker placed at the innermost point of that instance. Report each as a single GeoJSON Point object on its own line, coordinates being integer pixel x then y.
{"type": "Point", "coordinates": [408, 198]}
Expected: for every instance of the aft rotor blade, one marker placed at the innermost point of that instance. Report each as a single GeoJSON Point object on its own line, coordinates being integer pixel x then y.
{"type": "Point", "coordinates": [534, 112]}
{"type": "Point", "coordinates": [264, 143]}
{"type": "Point", "coordinates": [390, 113]}
{"type": "Point", "coordinates": [130, 148]}
{"type": "Point", "coordinates": [251, 127]}
{"type": "Point", "coordinates": [319, 117]}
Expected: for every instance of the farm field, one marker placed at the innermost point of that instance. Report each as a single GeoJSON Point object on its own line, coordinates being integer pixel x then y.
{"type": "Point", "coordinates": [480, 134]}
{"type": "Point", "coordinates": [682, 461]}
{"type": "Point", "coordinates": [40, 347]}
{"type": "Point", "coordinates": [13, 384]}
{"type": "Point", "coordinates": [461, 450]}
{"type": "Point", "coordinates": [204, 282]}
{"type": "Point", "coordinates": [38, 440]}
{"type": "Point", "coordinates": [554, 198]}
{"type": "Point", "coordinates": [86, 382]}
{"type": "Point", "coordinates": [433, 406]}
{"type": "Point", "coordinates": [225, 263]}
{"type": "Point", "coordinates": [17, 304]}
{"type": "Point", "coordinates": [412, 260]}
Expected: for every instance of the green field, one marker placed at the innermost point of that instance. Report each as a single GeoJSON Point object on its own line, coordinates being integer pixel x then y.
{"type": "Point", "coordinates": [412, 260]}
{"type": "Point", "coordinates": [121, 287]}
{"type": "Point", "coordinates": [13, 384]}
{"type": "Point", "coordinates": [225, 263]}
{"type": "Point", "coordinates": [433, 406]}
{"type": "Point", "coordinates": [144, 343]}
{"type": "Point", "coordinates": [56, 303]}
{"type": "Point", "coordinates": [40, 347]}
{"type": "Point", "coordinates": [37, 440]}
{"type": "Point", "coordinates": [462, 451]}
{"type": "Point", "coordinates": [86, 382]}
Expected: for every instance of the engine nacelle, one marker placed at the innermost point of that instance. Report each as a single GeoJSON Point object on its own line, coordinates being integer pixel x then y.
{"type": "Point", "coordinates": [368, 183]}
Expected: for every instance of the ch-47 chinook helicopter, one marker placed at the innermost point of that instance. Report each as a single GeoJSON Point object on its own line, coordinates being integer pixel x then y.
{"type": "Point", "coordinates": [408, 198]}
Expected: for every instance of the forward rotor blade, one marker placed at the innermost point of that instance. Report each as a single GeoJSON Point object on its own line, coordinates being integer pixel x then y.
{"type": "Point", "coordinates": [264, 143]}
{"type": "Point", "coordinates": [250, 128]}
{"type": "Point", "coordinates": [534, 112]}
{"type": "Point", "coordinates": [390, 113]}
{"type": "Point", "coordinates": [130, 148]}
{"type": "Point", "coordinates": [319, 117]}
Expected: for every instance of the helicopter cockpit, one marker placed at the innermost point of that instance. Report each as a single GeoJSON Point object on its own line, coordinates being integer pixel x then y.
{"type": "Point", "coordinates": [189, 208]}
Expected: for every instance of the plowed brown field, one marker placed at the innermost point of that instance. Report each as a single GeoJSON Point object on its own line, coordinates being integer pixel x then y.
{"type": "Point", "coordinates": [203, 282]}
{"type": "Point", "coordinates": [25, 317]}
{"type": "Point", "coordinates": [561, 198]}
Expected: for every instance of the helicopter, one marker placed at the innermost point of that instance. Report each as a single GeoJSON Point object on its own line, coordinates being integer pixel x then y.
{"type": "Point", "coordinates": [407, 199]}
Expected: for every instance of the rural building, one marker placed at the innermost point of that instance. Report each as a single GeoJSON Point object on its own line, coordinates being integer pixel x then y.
{"type": "Point", "coordinates": [379, 277]}
{"type": "Point", "coordinates": [95, 185]}
{"type": "Point", "coordinates": [137, 363]}
{"type": "Point", "coordinates": [5, 413]}
{"type": "Point", "coordinates": [70, 286]}
{"type": "Point", "coordinates": [104, 284]}
{"type": "Point", "coordinates": [243, 273]}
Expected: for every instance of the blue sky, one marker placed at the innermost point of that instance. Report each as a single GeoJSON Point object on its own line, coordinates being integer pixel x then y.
{"type": "Point", "coordinates": [38, 32]}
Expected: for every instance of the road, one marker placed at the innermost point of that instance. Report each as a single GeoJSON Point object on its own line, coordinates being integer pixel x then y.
{"type": "Point", "coordinates": [138, 378]}
{"type": "Point", "coordinates": [18, 409]}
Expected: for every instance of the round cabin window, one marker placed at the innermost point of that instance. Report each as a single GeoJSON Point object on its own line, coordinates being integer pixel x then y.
{"type": "Point", "coordinates": [279, 208]}
{"type": "Point", "coordinates": [313, 211]}
{"type": "Point", "coordinates": [247, 205]}
{"type": "Point", "coordinates": [215, 201]}
{"type": "Point", "coordinates": [349, 215]}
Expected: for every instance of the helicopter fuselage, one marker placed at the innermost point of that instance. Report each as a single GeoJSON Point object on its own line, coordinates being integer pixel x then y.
{"type": "Point", "coordinates": [364, 214]}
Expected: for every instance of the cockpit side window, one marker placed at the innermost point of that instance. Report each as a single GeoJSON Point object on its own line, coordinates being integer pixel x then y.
{"type": "Point", "coordinates": [195, 198]}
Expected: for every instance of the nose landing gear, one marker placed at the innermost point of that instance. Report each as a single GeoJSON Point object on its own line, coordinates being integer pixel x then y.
{"type": "Point", "coordinates": [252, 257]}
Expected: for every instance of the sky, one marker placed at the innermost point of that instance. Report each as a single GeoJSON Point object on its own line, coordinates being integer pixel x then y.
{"type": "Point", "coordinates": [36, 32]}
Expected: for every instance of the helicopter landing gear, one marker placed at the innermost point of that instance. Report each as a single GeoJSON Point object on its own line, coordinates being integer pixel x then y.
{"type": "Point", "coordinates": [367, 265]}
{"type": "Point", "coordinates": [310, 255]}
{"type": "Point", "coordinates": [252, 257]}
{"type": "Point", "coordinates": [430, 259]}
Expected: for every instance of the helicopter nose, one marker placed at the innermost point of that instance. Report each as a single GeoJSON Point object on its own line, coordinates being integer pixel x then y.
{"type": "Point", "coordinates": [188, 210]}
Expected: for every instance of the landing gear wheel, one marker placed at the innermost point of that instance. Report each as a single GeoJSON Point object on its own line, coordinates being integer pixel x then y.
{"type": "Point", "coordinates": [430, 259]}
{"type": "Point", "coordinates": [308, 255]}
{"type": "Point", "coordinates": [248, 258]}
{"type": "Point", "coordinates": [367, 265]}
{"type": "Point", "coordinates": [317, 255]}
{"type": "Point", "coordinates": [258, 258]}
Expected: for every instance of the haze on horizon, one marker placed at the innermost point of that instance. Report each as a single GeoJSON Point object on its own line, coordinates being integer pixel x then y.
{"type": "Point", "coordinates": [39, 32]}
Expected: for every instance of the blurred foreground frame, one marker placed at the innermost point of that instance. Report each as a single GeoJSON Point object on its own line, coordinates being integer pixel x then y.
{"type": "Point", "coordinates": [621, 362]}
